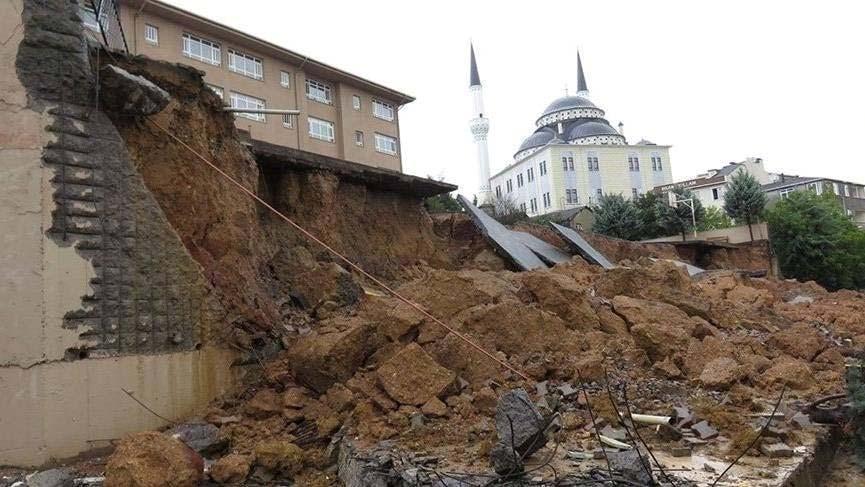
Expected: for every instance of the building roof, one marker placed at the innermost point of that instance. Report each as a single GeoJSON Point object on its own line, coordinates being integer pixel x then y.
{"type": "Point", "coordinates": [787, 181]}
{"type": "Point", "coordinates": [542, 136]}
{"type": "Point", "coordinates": [566, 103]}
{"type": "Point", "coordinates": [474, 79]}
{"type": "Point", "coordinates": [277, 156]}
{"type": "Point", "coordinates": [590, 128]}
{"type": "Point", "coordinates": [231, 34]}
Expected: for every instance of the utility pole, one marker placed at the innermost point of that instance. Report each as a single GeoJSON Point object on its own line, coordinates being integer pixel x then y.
{"type": "Point", "coordinates": [690, 203]}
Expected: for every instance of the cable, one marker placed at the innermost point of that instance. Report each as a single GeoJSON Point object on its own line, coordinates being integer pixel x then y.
{"type": "Point", "coordinates": [342, 257]}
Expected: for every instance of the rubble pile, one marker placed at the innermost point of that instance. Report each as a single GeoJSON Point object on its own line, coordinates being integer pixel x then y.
{"type": "Point", "coordinates": [711, 353]}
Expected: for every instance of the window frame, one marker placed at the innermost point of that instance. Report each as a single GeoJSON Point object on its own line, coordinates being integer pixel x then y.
{"type": "Point", "coordinates": [215, 48]}
{"type": "Point", "coordinates": [716, 194]}
{"type": "Point", "coordinates": [234, 55]}
{"type": "Point", "coordinates": [356, 102]}
{"type": "Point", "coordinates": [785, 193]}
{"type": "Point", "coordinates": [386, 138]}
{"type": "Point", "coordinates": [288, 121]}
{"type": "Point", "coordinates": [358, 138]}
{"type": "Point", "coordinates": [520, 180]}
{"type": "Point", "coordinates": [150, 27]}
{"type": "Point", "coordinates": [218, 90]}
{"type": "Point", "coordinates": [256, 117]}
{"type": "Point", "coordinates": [530, 174]}
{"type": "Point", "coordinates": [389, 115]}
{"type": "Point", "coordinates": [321, 122]}
{"type": "Point", "coordinates": [284, 79]}
{"type": "Point", "coordinates": [325, 88]}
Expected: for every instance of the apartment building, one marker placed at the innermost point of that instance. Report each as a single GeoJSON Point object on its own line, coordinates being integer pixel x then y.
{"type": "Point", "coordinates": [341, 114]}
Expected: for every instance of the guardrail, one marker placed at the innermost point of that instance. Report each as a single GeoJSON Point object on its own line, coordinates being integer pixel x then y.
{"type": "Point", "coordinates": [104, 16]}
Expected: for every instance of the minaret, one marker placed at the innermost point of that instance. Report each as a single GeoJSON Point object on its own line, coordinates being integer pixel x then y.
{"type": "Point", "coordinates": [480, 126]}
{"type": "Point", "coordinates": [582, 88]}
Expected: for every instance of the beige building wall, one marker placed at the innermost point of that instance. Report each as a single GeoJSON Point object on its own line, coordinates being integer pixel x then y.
{"type": "Point", "coordinates": [173, 23]}
{"type": "Point", "coordinates": [52, 408]}
{"type": "Point", "coordinates": [733, 235]}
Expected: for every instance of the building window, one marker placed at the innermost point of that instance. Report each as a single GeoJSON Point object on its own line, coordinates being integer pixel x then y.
{"type": "Point", "coordinates": [219, 91]}
{"type": "Point", "coordinates": [249, 66]}
{"type": "Point", "coordinates": [151, 34]}
{"type": "Point", "coordinates": [634, 194]}
{"type": "Point", "coordinates": [284, 79]}
{"type": "Point", "coordinates": [318, 91]}
{"type": "Point", "coordinates": [523, 207]}
{"type": "Point", "coordinates": [715, 194]}
{"type": "Point", "coordinates": [509, 185]}
{"type": "Point", "coordinates": [592, 161]}
{"type": "Point", "coordinates": [239, 100]}
{"type": "Point", "coordinates": [355, 102]}
{"type": "Point", "coordinates": [600, 193]}
{"type": "Point", "coordinates": [547, 200]}
{"type": "Point", "coordinates": [385, 144]}
{"type": "Point", "coordinates": [201, 50]}
{"type": "Point", "coordinates": [657, 165]}
{"type": "Point", "coordinates": [499, 191]}
{"type": "Point", "coordinates": [533, 203]}
{"type": "Point", "coordinates": [520, 180]}
{"type": "Point", "coordinates": [633, 163]}
{"type": "Point", "coordinates": [382, 110]}
{"type": "Point", "coordinates": [530, 174]}
{"type": "Point", "coordinates": [543, 167]}
{"type": "Point", "coordinates": [785, 192]}
{"type": "Point", "coordinates": [358, 138]}
{"type": "Point", "coordinates": [88, 16]}
{"type": "Point", "coordinates": [813, 187]}
{"type": "Point", "coordinates": [321, 129]}
{"type": "Point", "coordinates": [572, 197]}
{"type": "Point", "coordinates": [287, 121]}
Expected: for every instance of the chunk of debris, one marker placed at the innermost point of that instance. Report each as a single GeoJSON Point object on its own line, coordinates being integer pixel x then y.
{"type": "Point", "coordinates": [435, 408]}
{"type": "Point", "coordinates": [231, 469]}
{"type": "Point", "coordinates": [412, 377]}
{"type": "Point", "coordinates": [201, 437]}
{"type": "Point", "coordinates": [669, 433]}
{"type": "Point", "coordinates": [683, 417]}
{"type": "Point", "coordinates": [704, 430]}
{"type": "Point", "coordinates": [680, 451]}
{"type": "Point", "coordinates": [614, 433]}
{"type": "Point", "coordinates": [280, 456]}
{"type": "Point", "coordinates": [130, 94]}
{"type": "Point", "coordinates": [518, 423]}
{"type": "Point", "coordinates": [776, 450]}
{"type": "Point", "coordinates": [150, 459]}
{"type": "Point", "coordinates": [567, 390]}
{"type": "Point", "coordinates": [629, 465]}
{"type": "Point", "coordinates": [56, 477]}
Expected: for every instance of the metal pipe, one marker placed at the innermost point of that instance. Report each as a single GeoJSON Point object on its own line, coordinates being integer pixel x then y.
{"type": "Point", "coordinates": [614, 443]}
{"type": "Point", "coordinates": [268, 111]}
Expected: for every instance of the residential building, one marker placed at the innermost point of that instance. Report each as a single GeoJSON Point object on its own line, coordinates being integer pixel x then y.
{"type": "Point", "coordinates": [711, 186]}
{"type": "Point", "coordinates": [575, 156]}
{"type": "Point", "coordinates": [850, 195]}
{"type": "Point", "coordinates": [341, 114]}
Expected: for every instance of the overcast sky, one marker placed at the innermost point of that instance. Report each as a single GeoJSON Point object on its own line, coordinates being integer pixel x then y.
{"type": "Point", "coordinates": [719, 81]}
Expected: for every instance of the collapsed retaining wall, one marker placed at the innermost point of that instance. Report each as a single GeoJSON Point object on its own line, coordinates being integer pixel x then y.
{"type": "Point", "coordinates": [100, 293]}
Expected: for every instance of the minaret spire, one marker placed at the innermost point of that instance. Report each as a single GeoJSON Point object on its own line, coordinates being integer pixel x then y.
{"type": "Point", "coordinates": [479, 126]}
{"type": "Point", "coordinates": [475, 79]}
{"type": "Point", "coordinates": [582, 87]}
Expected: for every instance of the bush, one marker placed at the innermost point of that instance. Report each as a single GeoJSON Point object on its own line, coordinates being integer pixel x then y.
{"type": "Point", "coordinates": [715, 219]}
{"type": "Point", "coordinates": [442, 203]}
{"type": "Point", "coordinates": [617, 217]}
{"type": "Point", "coordinates": [651, 207]}
{"type": "Point", "coordinates": [506, 211]}
{"type": "Point", "coordinates": [814, 240]}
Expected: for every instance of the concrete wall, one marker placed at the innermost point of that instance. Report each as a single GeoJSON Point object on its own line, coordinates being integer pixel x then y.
{"type": "Point", "coordinates": [346, 120]}
{"type": "Point", "coordinates": [734, 235]}
{"type": "Point", "coordinates": [97, 293]}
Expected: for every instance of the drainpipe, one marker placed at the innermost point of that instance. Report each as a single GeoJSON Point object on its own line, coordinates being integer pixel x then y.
{"type": "Point", "coordinates": [135, 24]}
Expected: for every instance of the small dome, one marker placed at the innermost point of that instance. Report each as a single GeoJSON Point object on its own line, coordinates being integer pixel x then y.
{"type": "Point", "coordinates": [541, 137]}
{"type": "Point", "coordinates": [590, 128]}
{"type": "Point", "coordinates": [567, 102]}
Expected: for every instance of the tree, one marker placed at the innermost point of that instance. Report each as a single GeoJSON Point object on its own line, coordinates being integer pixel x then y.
{"type": "Point", "coordinates": [679, 218]}
{"type": "Point", "coordinates": [744, 200]}
{"type": "Point", "coordinates": [506, 211]}
{"type": "Point", "coordinates": [814, 240]}
{"type": "Point", "coordinates": [442, 203]}
{"type": "Point", "coordinates": [617, 217]}
{"type": "Point", "coordinates": [714, 219]}
{"type": "Point", "coordinates": [651, 208]}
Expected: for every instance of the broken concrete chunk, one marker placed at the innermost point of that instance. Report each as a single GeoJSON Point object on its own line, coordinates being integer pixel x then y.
{"type": "Point", "coordinates": [680, 451]}
{"type": "Point", "coordinates": [566, 390]}
{"type": "Point", "coordinates": [264, 403]}
{"type": "Point", "coordinates": [505, 460]}
{"type": "Point", "coordinates": [694, 441]}
{"type": "Point", "coordinates": [151, 458]}
{"type": "Point", "coordinates": [614, 433]}
{"type": "Point", "coordinates": [201, 437]}
{"type": "Point", "coordinates": [628, 464]}
{"type": "Point", "coordinates": [704, 430]}
{"type": "Point", "coordinates": [683, 417]}
{"type": "Point", "coordinates": [55, 477]}
{"type": "Point", "coordinates": [231, 469]}
{"type": "Point", "coordinates": [519, 423]}
{"type": "Point", "coordinates": [669, 433]}
{"type": "Point", "coordinates": [413, 377]}
{"type": "Point", "coordinates": [435, 408]}
{"type": "Point", "coordinates": [776, 450]}
{"type": "Point", "coordinates": [123, 92]}
{"type": "Point", "coordinates": [280, 456]}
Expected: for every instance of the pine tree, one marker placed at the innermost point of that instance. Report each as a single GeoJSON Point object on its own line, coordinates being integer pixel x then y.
{"type": "Point", "coordinates": [617, 217]}
{"type": "Point", "coordinates": [651, 208]}
{"type": "Point", "coordinates": [744, 200]}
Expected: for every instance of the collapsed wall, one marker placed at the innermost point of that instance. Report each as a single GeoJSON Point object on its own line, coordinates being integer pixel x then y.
{"type": "Point", "coordinates": [101, 295]}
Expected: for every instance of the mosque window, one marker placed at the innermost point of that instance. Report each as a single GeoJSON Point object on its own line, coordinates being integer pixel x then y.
{"type": "Point", "coordinates": [530, 174]}
{"type": "Point", "coordinates": [633, 162]}
{"type": "Point", "coordinates": [600, 193]}
{"type": "Point", "coordinates": [657, 165]}
{"type": "Point", "coordinates": [568, 161]}
{"type": "Point", "coordinates": [509, 185]}
{"type": "Point", "coordinates": [523, 207]}
{"type": "Point", "coordinates": [634, 193]}
{"type": "Point", "coordinates": [520, 180]}
{"type": "Point", "coordinates": [533, 203]}
{"type": "Point", "coordinates": [543, 167]}
{"type": "Point", "coordinates": [547, 200]}
{"type": "Point", "coordinates": [499, 191]}
{"type": "Point", "coordinates": [592, 160]}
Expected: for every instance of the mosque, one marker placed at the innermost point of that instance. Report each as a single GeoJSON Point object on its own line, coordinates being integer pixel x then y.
{"type": "Point", "coordinates": [573, 157]}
